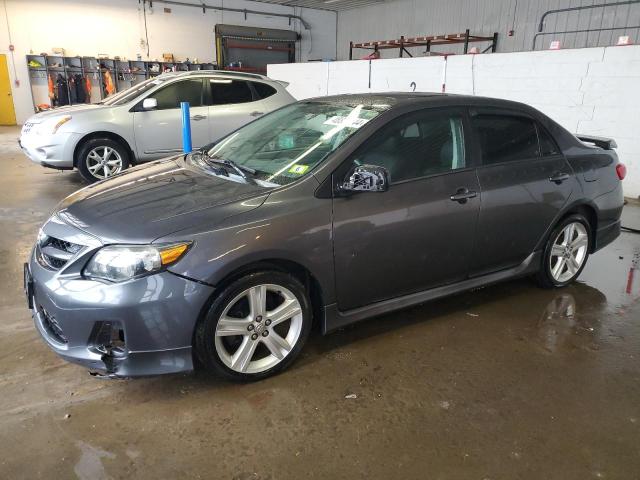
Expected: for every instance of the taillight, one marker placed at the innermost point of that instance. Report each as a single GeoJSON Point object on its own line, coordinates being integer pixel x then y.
{"type": "Point", "coordinates": [621, 170]}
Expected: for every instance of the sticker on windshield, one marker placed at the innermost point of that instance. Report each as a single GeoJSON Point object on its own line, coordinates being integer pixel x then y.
{"type": "Point", "coordinates": [299, 169]}
{"type": "Point", "coordinates": [346, 122]}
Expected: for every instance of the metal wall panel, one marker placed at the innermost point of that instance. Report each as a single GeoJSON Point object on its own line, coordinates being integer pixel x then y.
{"type": "Point", "coordinates": [483, 17]}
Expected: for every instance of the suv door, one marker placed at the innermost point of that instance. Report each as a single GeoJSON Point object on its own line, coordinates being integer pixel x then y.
{"type": "Point", "coordinates": [232, 103]}
{"type": "Point", "coordinates": [415, 235]}
{"type": "Point", "coordinates": [158, 132]}
{"type": "Point", "coordinates": [525, 183]}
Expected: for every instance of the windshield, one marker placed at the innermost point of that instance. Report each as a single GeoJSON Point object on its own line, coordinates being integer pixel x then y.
{"type": "Point", "coordinates": [129, 94]}
{"type": "Point", "coordinates": [287, 144]}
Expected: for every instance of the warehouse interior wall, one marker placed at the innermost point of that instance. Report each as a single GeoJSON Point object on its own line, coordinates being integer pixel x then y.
{"type": "Point", "coordinates": [116, 28]}
{"type": "Point", "coordinates": [589, 90]}
{"type": "Point", "coordinates": [392, 20]}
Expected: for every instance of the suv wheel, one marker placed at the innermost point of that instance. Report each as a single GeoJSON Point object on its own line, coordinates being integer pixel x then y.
{"type": "Point", "coordinates": [566, 252]}
{"type": "Point", "coordinates": [255, 327]}
{"type": "Point", "coordinates": [101, 158]}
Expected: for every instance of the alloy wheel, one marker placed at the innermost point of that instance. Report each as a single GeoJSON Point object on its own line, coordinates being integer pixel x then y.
{"type": "Point", "coordinates": [569, 252]}
{"type": "Point", "coordinates": [258, 328]}
{"type": "Point", "coordinates": [103, 162]}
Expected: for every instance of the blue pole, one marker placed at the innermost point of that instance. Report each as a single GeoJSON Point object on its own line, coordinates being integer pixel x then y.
{"type": "Point", "coordinates": [186, 127]}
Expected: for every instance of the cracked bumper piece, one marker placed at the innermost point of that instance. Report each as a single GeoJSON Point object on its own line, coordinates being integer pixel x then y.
{"type": "Point", "coordinates": [135, 328]}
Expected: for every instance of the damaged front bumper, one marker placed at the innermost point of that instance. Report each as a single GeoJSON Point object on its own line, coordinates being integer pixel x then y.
{"type": "Point", "coordinates": [136, 328]}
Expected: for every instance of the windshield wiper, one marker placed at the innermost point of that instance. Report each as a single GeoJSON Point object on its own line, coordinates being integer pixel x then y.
{"type": "Point", "coordinates": [241, 170]}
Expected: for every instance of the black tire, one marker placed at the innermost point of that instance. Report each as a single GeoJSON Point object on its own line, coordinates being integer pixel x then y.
{"type": "Point", "coordinates": [544, 277]}
{"type": "Point", "coordinates": [96, 143]}
{"type": "Point", "coordinates": [205, 333]}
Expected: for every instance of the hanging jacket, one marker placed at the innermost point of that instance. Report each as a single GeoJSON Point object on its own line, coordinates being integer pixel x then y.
{"type": "Point", "coordinates": [79, 86]}
{"type": "Point", "coordinates": [62, 92]}
{"type": "Point", "coordinates": [73, 97]}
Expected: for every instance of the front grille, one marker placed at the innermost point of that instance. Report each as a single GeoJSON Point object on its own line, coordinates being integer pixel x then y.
{"type": "Point", "coordinates": [51, 325]}
{"type": "Point", "coordinates": [54, 253]}
{"type": "Point", "coordinates": [63, 245]}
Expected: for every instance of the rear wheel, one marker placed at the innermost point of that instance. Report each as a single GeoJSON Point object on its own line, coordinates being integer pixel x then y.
{"type": "Point", "coordinates": [566, 252]}
{"type": "Point", "coordinates": [101, 158]}
{"type": "Point", "coordinates": [256, 327]}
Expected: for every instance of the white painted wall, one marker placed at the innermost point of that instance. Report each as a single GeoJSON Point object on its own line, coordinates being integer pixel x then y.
{"type": "Point", "coordinates": [591, 90]}
{"type": "Point", "coordinates": [116, 27]}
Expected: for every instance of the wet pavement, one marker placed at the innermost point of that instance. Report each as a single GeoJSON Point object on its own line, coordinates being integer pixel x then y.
{"type": "Point", "coordinates": [506, 382]}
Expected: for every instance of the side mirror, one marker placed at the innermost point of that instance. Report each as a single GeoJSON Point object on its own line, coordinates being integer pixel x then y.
{"type": "Point", "coordinates": [367, 178]}
{"type": "Point", "coordinates": [149, 104]}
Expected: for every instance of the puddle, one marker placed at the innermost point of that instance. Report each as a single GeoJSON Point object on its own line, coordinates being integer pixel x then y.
{"type": "Point", "coordinates": [90, 467]}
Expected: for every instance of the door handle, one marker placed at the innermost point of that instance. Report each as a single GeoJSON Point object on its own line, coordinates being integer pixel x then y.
{"type": "Point", "coordinates": [196, 118]}
{"type": "Point", "coordinates": [462, 195]}
{"type": "Point", "coordinates": [558, 178]}
{"type": "Point", "coordinates": [256, 114]}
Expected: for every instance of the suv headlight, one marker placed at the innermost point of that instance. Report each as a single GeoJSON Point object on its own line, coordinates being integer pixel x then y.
{"type": "Point", "coordinates": [117, 263]}
{"type": "Point", "coordinates": [51, 126]}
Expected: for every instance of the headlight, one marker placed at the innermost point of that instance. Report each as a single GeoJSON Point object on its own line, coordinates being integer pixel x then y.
{"type": "Point", "coordinates": [50, 127]}
{"type": "Point", "coordinates": [118, 263]}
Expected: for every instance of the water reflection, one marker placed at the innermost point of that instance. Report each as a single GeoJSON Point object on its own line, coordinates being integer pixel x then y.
{"type": "Point", "coordinates": [572, 319]}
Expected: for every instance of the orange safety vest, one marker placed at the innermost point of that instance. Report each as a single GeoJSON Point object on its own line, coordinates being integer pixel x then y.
{"type": "Point", "coordinates": [108, 83]}
{"type": "Point", "coordinates": [52, 91]}
{"type": "Point", "coordinates": [87, 87]}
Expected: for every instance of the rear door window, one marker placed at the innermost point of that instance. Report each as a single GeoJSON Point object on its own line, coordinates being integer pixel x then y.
{"type": "Point", "coordinates": [506, 138]}
{"type": "Point", "coordinates": [226, 91]}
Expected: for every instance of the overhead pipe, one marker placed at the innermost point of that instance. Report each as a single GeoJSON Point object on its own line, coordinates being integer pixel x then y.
{"type": "Point", "coordinates": [204, 7]}
{"type": "Point", "coordinates": [583, 7]}
{"type": "Point", "coordinates": [586, 30]}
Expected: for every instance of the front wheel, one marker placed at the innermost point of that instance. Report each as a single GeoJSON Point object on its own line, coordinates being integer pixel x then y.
{"type": "Point", "coordinates": [566, 252]}
{"type": "Point", "coordinates": [255, 327]}
{"type": "Point", "coordinates": [101, 158]}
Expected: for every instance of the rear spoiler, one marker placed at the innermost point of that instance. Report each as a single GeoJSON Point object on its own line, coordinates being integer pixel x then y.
{"type": "Point", "coordinates": [602, 142]}
{"type": "Point", "coordinates": [282, 82]}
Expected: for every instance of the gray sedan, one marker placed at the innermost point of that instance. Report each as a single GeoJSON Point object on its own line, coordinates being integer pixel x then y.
{"type": "Point", "coordinates": [326, 211]}
{"type": "Point", "coordinates": [143, 122]}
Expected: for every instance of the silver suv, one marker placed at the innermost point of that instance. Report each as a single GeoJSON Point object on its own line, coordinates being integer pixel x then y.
{"type": "Point", "coordinates": [143, 122]}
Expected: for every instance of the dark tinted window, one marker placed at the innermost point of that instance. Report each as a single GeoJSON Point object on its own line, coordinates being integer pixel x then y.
{"type": "Point", "coordinates": [224, 91]}
{"type": "Point", "coordinates": [183, 91]}
{"type": "Point", "coordinates": [506, 138]}
{"type": "Point", "coordinates": [263, 90]}
{"type": "Point", "coordinates": [547, 145]}
{"type": "Point", "coordinates": [416, 145]}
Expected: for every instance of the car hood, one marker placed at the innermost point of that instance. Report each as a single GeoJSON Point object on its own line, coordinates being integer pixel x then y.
{"type": "Point", "coordinates": [68, 110]}
{"type": "Point", "coordinates": [155, 200]}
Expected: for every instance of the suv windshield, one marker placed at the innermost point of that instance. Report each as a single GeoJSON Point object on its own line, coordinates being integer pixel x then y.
{"type": "Point", "coordinates": [129, 94]}
{"type": "Point", "coordinates": [285, 145]}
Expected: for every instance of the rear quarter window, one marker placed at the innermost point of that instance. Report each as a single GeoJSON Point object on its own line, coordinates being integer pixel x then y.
{"type": "Point", "coordinates": [263, 90]}
{"type": "Point", "coordinates": [547, 143]}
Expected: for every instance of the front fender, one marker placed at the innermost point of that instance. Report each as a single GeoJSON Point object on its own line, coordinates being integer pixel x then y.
{"type": "Point", "coordinates": [290, 226]}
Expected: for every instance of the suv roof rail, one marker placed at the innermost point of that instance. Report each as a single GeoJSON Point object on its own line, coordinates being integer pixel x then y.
{"type": "Point", "coordinates": [220, 72]}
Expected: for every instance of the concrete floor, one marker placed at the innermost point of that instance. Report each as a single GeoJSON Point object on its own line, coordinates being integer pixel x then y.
{"type": "Point", "coordinates": [507, 382]}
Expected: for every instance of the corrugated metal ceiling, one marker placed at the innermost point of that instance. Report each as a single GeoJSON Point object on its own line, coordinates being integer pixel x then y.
{"type": "Point", "coordinates": [334, 5]}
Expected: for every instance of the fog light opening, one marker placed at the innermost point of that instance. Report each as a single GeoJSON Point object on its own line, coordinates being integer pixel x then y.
{"type": "Point", "coordinates": [110, 340]}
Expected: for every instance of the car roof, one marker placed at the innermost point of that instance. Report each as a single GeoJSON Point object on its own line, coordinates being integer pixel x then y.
{"type": "Point", "coordinates": [426, 99]}
{"type": "Point", "coordinates": [217, 73]}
